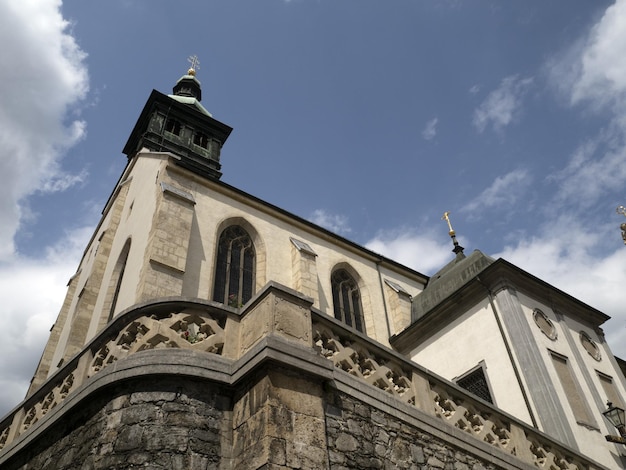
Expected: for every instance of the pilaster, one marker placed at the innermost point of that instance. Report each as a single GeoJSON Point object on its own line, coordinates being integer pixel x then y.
{"type": "Point", "coordinates": [304, 269]}
{"type": "Point", "coordinates": [166, 255]}
{"type": "Point", "coordinates": [278, 423]}
{"type": "Point", "coordinates": [399, 301]}
{"type": "Point", "coordinates": [533, 368]}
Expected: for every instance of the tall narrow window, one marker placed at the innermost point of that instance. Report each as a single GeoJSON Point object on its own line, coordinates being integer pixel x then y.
{"type": "Point", "coordinates": [118, 275]}
{"type": "Point", "coordinates": [347, 299]}
{"type": "Point", "coordinates": [235, 267]}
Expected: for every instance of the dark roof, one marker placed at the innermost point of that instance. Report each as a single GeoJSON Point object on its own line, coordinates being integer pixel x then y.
{"type": "Point", "coordinates": [448, 280]}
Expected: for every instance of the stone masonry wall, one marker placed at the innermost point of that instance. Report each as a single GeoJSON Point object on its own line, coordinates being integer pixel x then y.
{"type": "Point", "coordinates": [275, 420]}
{"type": "Point", "coordinates": [361, 437]}
{"type": "Point", "coordinates": [156, 424]}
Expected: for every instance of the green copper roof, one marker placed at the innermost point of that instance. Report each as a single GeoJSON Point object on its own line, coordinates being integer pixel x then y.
{"type": "Point", "coordinates": [191, 101]}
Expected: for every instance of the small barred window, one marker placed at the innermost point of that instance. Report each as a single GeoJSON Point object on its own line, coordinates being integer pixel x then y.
{"type": "Point", "coordinates": [476, 383]}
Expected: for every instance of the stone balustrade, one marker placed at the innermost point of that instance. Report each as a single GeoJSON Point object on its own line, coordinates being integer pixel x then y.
{"type": "Point", "coordinates": [387, 370]}
{"type": "Point", "coordinates": [176, 324]}
{"type": "Point", "coordinates": [210, 328]}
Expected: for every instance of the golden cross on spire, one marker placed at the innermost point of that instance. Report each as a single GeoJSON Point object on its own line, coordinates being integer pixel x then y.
{"type": "Point", "coordinates": [446, 217]}
{"type": "Point", "coordinates": [195, 64]}
{"type": "Point", "coordinates": [458, 249]}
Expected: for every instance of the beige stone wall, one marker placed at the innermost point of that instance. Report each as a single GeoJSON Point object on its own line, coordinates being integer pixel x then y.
{"type": "Point", "coordinates": [277, 258]}
{"type": "Point", "coordinates": [279, 422]}
{"type": "Point", "coordinates": [304, 271]}
{"type": "Point", "coordinates": [172, 219]}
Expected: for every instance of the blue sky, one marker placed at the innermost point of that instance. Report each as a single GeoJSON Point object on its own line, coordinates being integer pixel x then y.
{"type": "Point", "coordinates": [370, 118]}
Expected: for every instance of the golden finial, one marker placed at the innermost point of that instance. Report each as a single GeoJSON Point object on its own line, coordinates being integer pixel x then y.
{"type": "Point", "coordinates": [446, 217]}
{"type": "Point", "coordinates": [195, 65]}
{"type": "Point", "coordinates": [458, 249]}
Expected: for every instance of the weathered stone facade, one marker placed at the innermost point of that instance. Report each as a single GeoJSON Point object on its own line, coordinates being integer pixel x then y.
{"type": "Point", "coordinates": [275, 386]}
{"type": "Point", "coordinates": [363, 437]}
{"type": "Point", "coordinates": [158, 423]}
{"type": "Point", "coordinates": [281, 421]}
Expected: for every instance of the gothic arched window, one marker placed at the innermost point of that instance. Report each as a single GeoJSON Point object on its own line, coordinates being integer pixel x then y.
{"type": "Point", "coordinates": [235, 267]}
{"type": "Point", "coordinates": [118, 276]}
{"type": "Point", "coordinates": [347, 299]}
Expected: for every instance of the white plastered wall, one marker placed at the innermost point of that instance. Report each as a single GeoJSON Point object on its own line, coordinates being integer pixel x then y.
{"type": "Point", "coordinates": [590, 440]}
{"type": "Point", "coordinates": [462, 344]}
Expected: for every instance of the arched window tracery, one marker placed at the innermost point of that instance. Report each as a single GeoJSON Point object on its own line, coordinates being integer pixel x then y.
{"type": "Point", "coordinates": [235, 267]}
{"type": "Point", "coordinates": [347, 300]}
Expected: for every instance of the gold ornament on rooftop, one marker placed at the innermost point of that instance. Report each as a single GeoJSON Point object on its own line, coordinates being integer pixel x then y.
{"type": "Point", "coordinates": [195, 64]}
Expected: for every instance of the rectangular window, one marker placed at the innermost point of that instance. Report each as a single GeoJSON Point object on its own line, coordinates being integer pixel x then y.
{"type": "Point", "coordinates": [572, 391]}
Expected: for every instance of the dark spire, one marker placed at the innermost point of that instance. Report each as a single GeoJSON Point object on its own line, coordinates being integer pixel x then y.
{"type": "Point", "coordinates": [179, 124]}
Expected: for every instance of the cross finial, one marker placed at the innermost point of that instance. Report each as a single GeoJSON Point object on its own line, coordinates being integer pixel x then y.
{"type": "Point", "coordinates": [195, 64]}
{"type": "Point", "coordinates": [446, 217]}
{"type": "Point", "coordinates": [458, 249]}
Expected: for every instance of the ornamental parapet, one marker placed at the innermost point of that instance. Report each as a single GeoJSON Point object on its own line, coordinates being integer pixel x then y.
{"type": "Point", "coordinates": [406, 381]}
{"type": "Point", "coordinates": [192, 337]}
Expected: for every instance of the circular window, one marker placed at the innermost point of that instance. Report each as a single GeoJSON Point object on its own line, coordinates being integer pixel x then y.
{"type": "Point", "coordinates": [590, 346]}
{"type": "Point", "coordinates": [545, 324]}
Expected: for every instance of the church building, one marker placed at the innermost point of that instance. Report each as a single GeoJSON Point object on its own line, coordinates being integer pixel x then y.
{"type": "Point", "coordinates": [207, 329]}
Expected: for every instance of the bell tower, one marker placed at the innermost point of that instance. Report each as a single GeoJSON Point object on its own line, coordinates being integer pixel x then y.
{"type": "Point", "coordinates": [180, 124]}
{"type": "Point", "coordinates": [140, 248]}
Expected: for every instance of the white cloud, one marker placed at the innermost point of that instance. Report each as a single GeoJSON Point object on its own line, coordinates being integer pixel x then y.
{"type": "Point", "coordinates": [602, 68]}
{"type": "Point", "coordinates": [502, 105]}
{"type": "Point", "coordinates": [566, 259]}
{"type": "Point", "coordinates": [425, 252]}
{"type": "Point", "coordinates": [504, 193]}
{"type": "Point", "coordinates": [593, 171]}
{"type": "Point", "coordinates": [430, 130]}
{"type": "Point", "coordinates": [334, 222]}
{"type": "Point", "coordinates": [61, 182]}
{"type": "Point", "coordinates": [43, 78]}
{"type": "Point", "coordinates": [474, 89]}
{"type": "Point", "coordinates": [592, 72]}
{"type": "Point", "coordinates": [32, 292]}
